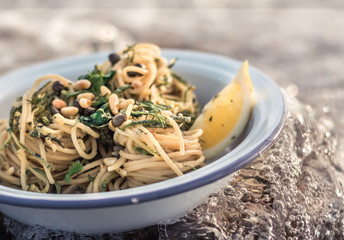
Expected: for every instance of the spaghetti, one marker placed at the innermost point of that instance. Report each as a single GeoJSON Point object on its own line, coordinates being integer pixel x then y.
{"type": "Point", "coordinates": [123, 125]}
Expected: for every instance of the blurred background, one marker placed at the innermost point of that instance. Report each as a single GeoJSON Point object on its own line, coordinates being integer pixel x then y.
{"type": "Point", "coordinates": [299, 45]}
{"type": "Point", "coordinates": [294, 43]}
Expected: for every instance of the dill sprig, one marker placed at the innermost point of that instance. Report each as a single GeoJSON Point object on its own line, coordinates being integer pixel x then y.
{"type": "Point", "coordinates": [14, 121]}
{"type": "Point", "coordinates": [154, 123]}
{"type": "Point", "coordinates": [130, 48]}
{"type": "Point", "coordinates": [36, 133]}
{"type": "Point", "coordinates": [40, 103]}
{"type": "Point", "coordinates": [107, 180]}
{"type": "Point", "coordinates": [20, 145]}
{"type": "Point", "coordinates": [151, 107]}
{"type": "Point", "coordinates": [154, 117]}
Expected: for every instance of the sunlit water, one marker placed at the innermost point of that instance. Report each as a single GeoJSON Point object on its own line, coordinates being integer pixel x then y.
{"type": "Point", "coordinates": [293, 191]}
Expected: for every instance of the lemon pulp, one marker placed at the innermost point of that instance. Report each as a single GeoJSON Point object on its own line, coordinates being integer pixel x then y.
{"type": "Point", "coordinates": [226, 115]}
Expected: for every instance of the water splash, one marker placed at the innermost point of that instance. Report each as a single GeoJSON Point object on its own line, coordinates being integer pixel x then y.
{"type": "Point", "coordinates": [293, 191]}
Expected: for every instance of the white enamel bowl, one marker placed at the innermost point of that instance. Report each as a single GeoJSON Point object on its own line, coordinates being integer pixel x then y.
{"type": "Point", "coordinates": [144, 206]}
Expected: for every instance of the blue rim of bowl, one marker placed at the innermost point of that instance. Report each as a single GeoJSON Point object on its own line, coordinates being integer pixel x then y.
{"type": "Point", "coordinates": [21, 198]}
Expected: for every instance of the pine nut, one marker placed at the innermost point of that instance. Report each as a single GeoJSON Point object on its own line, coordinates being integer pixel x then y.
{"type": "Point", "coordinates": [104, 91]}
{"type": "Point", "coordinates": [85, 103]}
{"type": "Point", "coordinates": [111, 127]}
{"type": "Point", "coordinates": [86, 95]}
{"type": "Point", "coordinates": [124, 104]}
{"type": "Point", "coordinates": [82, 84]}
{"type": "Point", "coordinates": [59, 104]}
{"type": "Point", "coordinates": [136, 84]}
{"type": "Point", "coordinates": [114, 102]}
{"type": "Point", "coordinates": [109, 161]}
{"type": "Point", "coordinates": [69, 111]}
{"type": "Point", "coordinates": [10, 171]}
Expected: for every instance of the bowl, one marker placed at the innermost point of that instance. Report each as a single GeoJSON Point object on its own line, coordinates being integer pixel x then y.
{"type": "Point", "coordinates": [144, 206]}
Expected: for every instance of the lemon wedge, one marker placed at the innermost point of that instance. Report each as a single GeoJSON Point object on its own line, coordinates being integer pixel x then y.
{"type": "Point", "coordinates": [226, 115]}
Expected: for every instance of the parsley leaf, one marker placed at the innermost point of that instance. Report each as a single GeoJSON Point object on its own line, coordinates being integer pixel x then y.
{"type": "Point", "coordinates": [97, 79]}
{"type": "Point", "coordinates": [75, 168]}
{"type": "Point", "coordinates": [99, 119]}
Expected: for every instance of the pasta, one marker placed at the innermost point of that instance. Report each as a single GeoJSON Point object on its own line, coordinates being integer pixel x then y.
{"type": "Point", "coordinates": [123, 125]}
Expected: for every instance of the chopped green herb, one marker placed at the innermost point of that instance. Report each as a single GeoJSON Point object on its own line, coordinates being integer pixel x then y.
{"type": "Point", "coordinates": [97, 79]}
{"type": "Point", "coordinates": [41, 101]}
{"type": "Point", "coordinates": [172, 62]}
{"type": "Point", "coordinates": [163, 81]}
{"type": "Point", "coordinates": [68, 94]}
{"type": "Point", "coordinates": [20, 145]}
{"type": "Point", "coordinates": [90, 178]}
{"type": "Point", "coordinates": [151, 107]}
{"type": "Point", "coordinates": [36, 133]}
{"type": "Point", "coordinates": [107, 180]}
{"type": "Point", "coordinates": [187, 91]}
{"type": "Point", "coordinates": [74, 169]}
{"type": "Point", "coordinates": [182, 119]}
{"type": "Point", "coordinates": [100, 100]}
{"type": "Point", "coordinates": [46, 121]}
{"type": "Point", "coordinates": [14, 127]}
{"type": "Point", "coordinates": [106, 137]}
{"type": "Point", "coordinates": [210, 118]}
{"type": "Point", "coordinates": [58, 187]}
{"type": "Point", "coordinates": [147, 108]}
{"type": "Point", "coordinates": [129, 48]}
{"type": "Point", "coordinates": [108, 77]}
{"type": "Point", "coordinates": [122, 89]}
{"type": "Point", "coordinates": [40, 90]}
{"type": "Point", "coordinates": [99, 119]}
{"type": "Point", "coordinates": [142, 151]}
{"type": "Point", "coordinates": [147, 123]}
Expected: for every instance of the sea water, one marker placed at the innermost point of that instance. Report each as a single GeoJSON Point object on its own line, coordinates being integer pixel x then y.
{"type": "Point", "coordinates": [294, 190]}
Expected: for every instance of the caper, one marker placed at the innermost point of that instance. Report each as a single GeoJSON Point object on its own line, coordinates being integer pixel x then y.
{"type": "Point", "coordinates": [114, 58]}
{"type": "Point", "coordinates": [182, 127]}
{"type": "Point", "coordinates": [135, 74]}
{"type": "Point", "coordinates": [77, 104]}
{"type": "Point", "coordinates": [118, 119]}
{"type": "Point", "coordinates": [116, 150]}
{"type": "Point", "coordinates": [53, 110]}
{"type": "Point", "coordinates": [57, 86]}
{"type": "Point", "coordinates": [78, 189]}
{"type": "Point", "coordinates": [89, 111]}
